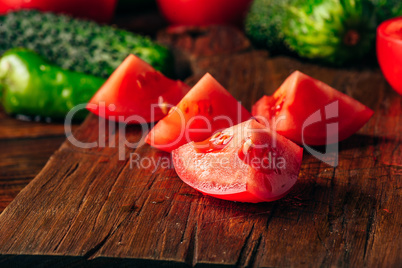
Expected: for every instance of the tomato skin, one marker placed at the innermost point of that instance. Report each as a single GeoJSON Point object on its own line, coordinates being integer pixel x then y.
{"type": "Point", "coordinates": [389, 51]}
{"type": "Point", "coordinates": [98, 10]}
{"type": "Point", "coordinates": [136, 90]}
{"type": "Point", "coordinates": [206, 108]}
{"type": "Point", "coordinates": [227, 174]}
{"type": "Point", "coordinates": [301, 96]}
{"type": "Point", "coordinates": [204, 12]}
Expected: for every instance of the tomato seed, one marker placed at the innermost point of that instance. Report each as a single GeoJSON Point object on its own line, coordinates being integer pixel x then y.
{"type": "Point", "coordinates": [163, 105]}
{"type": "Point", "coordinates": [185, 108]}
{"type": "Point", "coordinates": [210, 111]}
{"type": "Point", "coordinates": [248, 144]}
{"type": "Point", "coordinates": [275, 109]}
{"type": "Point", "coordinates": [215, 136]}
{"type": "Point", "coordinates": [141, 81]}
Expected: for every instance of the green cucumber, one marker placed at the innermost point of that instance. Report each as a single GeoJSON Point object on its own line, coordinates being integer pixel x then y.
{"type": "Point", "coordinates": [263, 24]}
{"type": "Point", "coordinates": [335, 32]}
{"type": "Point", "coordinates": [79, 45]}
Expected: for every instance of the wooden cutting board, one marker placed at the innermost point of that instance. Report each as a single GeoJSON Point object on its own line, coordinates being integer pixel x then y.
{"type": "Point", "coordinates": [88, 207]}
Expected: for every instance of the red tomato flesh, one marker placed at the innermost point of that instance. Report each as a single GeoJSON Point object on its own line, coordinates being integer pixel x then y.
{"type": "Point", "coordinates": [302, 98]}
{"type": "Point", "coordinates": [389, 51]}
{"type": "Point", "coordinates": [204, 12]}
{"type": "Point", "coordinates": [245, 163]}
{"type": "Point", "coordinates": [136, 89]}
{"type": "Point", "coordinates": [207, 108]}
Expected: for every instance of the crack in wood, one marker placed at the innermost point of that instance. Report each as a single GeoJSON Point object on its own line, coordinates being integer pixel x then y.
{"type": "Point", "coordinates": [109, 192]}
{"type": "Point", "coordinates": [70, 171]}
{"type": "Point", "coordinates": [369, 227]}
{"type": "Point", "coordinates": [152, 180]}
{"type": "Point", "coordinates": [76, 215]}
{"type": "Point", "coordinates": [185, 227]}
{"type": "Point", "coordinates": [138, 214]}
{"type": "Point", "coordinates": [191, 257]}
{"type": "Point", "coordinates": [242, 260]}
{"type": "Point", "coordinates": [271, 215]}
{"type": "Point", "coordinates": [188, 217]}
{"type": "Point", "coordinates": [65, 234]}
{"type": "Point", "coordinates": [254, 253]}
{"type": "Point", "coordinates": [322, 242]}
{"type": "Point", "coordinates": [91, 252]}
{"type": "Point", "coordinates": [168, 210]}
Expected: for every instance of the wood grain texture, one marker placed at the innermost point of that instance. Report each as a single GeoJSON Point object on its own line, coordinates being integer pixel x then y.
{"type": "Point", "coordinates": [20, 161]}
{"type": "Point", "coordinates": [11, 128]}
{"type": "Point", "coordinates": [88, 207]}
{"type": "Point", "coordinates": [25, 148]}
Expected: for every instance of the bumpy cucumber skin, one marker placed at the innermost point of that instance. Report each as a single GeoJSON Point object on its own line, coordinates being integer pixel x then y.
{"type": "Point", "coordinates": [79, 45]}
{"type": "Point", "coordinates": [263, 24]}
{"type": "Point", "coordinates": [318, 30]}
{"type": "Point", "coordinates": [32, 87]}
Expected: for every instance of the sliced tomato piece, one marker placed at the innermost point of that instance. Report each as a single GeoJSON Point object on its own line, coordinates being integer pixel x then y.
{"type": "Point", "coordinates": [308, 111]}
{"type": "Point", "coordinates": [207, 108]}
{"type": "Point", "coordinates": [136, 89]}
{"type": "Point", "coordinates": [245, 163]}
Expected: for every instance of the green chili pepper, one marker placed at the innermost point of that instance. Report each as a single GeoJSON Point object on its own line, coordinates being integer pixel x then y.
{"type": "Point", "coordinates": [30, 86]}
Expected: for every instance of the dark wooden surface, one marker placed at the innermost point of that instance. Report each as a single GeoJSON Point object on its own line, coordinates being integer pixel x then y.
{"type": "Point", "coordinates": [25, 147]}
{"type": "Point", "coordinates": [88, 207]}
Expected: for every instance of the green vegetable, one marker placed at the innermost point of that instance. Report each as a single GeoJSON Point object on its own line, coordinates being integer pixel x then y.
{"type": "Point", "coordinates": [335, 32]}
{"type": "Point", "coordinates": [386, 9]}
{"type": "Point", "coordinates": [79, 45]}
{"type": "Point", "coordinates": [331, 31]}
{"type": "Point", "coordinates": [263, 24]}
{"type": "Point", "coordinates": [31, 86]}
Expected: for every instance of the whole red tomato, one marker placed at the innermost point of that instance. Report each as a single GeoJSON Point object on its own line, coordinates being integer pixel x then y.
{"type": "Point", "coordinates": [99, 10]}
{"type": "Point", "coordinates": [389, 51]}
{"type": "Point", "coordinates": [204, 12]}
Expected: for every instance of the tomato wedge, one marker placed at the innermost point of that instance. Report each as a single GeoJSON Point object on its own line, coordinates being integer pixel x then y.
{"type": "Point", "coordinates": [245, 163]}
{"type": "Point", "coordinates": [136, 89]}
{"type": "Point", "coordinates": [308, 111]}
{"type": "Point", "coordinates": [207, 108]}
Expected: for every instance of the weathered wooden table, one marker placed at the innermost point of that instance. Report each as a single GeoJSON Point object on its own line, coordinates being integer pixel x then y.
{"type": "Point", "coordinates": [87, 207]}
